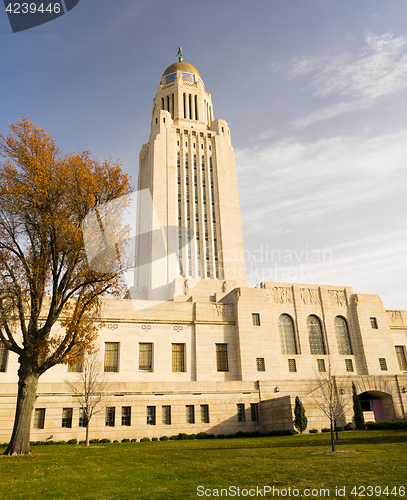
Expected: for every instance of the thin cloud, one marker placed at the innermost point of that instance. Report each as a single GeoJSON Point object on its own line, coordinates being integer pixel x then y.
{"type": "Point", "coordinates": [378, 69]}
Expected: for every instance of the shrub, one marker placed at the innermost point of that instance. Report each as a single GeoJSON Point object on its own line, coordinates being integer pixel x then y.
{"type": "Point", "coordinates": [174, 438]}
{"type": "Point", "coordinates": [325, 429]}
{"type": "Point", "coordinates": [104, 440]}
{"type": "Point", "coordinates": [115, 441]}
{"type": "Point", "coordinates": [300, 420]}
{"type": "Point", "coordinates": [154, 439]}
{"type": "Point", "coordinates": [164, 438]}
{"type": "Point", "coordinates": [133, 440]}
{"type": "Point", "coordinates": [313, 431]}
{"type": "Point", "coordinates": [357, 410]}
{"type": "Point", "coordinates": [339, 428]}
{"type": "Point", "coordinates": [82, 442]}
{"type": "Point", "coordinates": [181, 436]}
{"type": "Point", "coordinates": [144, 439]}
{"type": "Point", "coordinates": [94, 441]}
{"type": "Point", "coordinates": [125, 440]}
{"type": "Point", "coordinates": [201, 435]}
{"type": "Point", "coordinates": [191, 436]}
{"type": "Point", "coordinates": [387, 424]}
{"type": "Point", "coordinates": [220, 436]}
{"type": "Point", "coordinates": [350, 426]}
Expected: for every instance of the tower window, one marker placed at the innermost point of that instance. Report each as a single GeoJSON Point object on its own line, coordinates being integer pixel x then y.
{"type": "Point", "coordinates": [383, 364]}
{"type": "Point", "coordinates": [316, 340]}
{"type": "Point", "coordinates": [111, 356]}
{"type": "Point", "coordinates": [292, 365]}
{"type": "Point", "coordinates": [261, 367]}
{"type": "Point", "coordinates": [349, 365]}
{"type": "Point", "coordinates": [401, 358]}
{"type": "Point", "coordinates": [373, 323]}
{"type": "Point", "coordinates": [321, 365]}
{"type": "Point", "coordinates": [342, 335]}
{"type": "Point", "coordinates": [256, 319]}
{"type": "Point", "coordinates": [287, 334]}
{"type": "Point", "coordinates": [222, 357]}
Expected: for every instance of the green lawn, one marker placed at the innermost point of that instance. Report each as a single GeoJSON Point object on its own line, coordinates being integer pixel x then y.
{"type": "Point", "coordinates": [174, 469]}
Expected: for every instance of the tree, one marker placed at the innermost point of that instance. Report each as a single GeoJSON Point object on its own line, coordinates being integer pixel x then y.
{"type": "Point", "coordinates": [300, 420]}
{"type": "Point", "coordinates": [49, 293]}
{"type": "Point", "coordinates": [330, 396]}
{"type": "Point", "coordinates": [91, 389]}
{"type": "Point", "coordinates": [357, 409]}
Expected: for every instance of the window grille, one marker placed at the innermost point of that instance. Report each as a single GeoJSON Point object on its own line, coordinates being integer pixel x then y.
{"type": "Point", "coordinates": [145, 357]}
{"type": "Point", "coordinates": [287, 334]}
{"type": "Point", "coordinates": [111, 356]}
{"type": "Point", "coordinates": [260, 365]}
{"type": "Point", "coordinates": [316, 340]}
{"type": "Point", "coordinates": [222, 357]}
{"type": "Point", "coordinates": [126, 415]}
{"type": "Point", "coordinates": [342, 336]}
{"type": "Point", "coordinates": [178, 356]}
{"type": "Point", "coordinates": [67, 417]}
{"type": "Point", "coordinates": [241, 417]}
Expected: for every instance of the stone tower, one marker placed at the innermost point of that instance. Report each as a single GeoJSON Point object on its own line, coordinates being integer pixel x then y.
{"type": "Point", "coordinates": [192, 234]}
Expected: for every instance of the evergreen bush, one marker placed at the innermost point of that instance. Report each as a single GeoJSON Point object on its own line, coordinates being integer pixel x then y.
{"type": "Point", "coordinates": [300, 419]}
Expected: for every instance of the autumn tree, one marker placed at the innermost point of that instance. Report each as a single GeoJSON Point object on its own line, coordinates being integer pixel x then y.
{"type": "Point", "coordinates": [330, 395]}
{"type": "Point", "coordinates": [49, 293]}
{"type": "Point", "coordinates": [91, 389]}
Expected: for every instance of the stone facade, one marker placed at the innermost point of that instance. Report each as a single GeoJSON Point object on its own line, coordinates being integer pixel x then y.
{"type": "Point", "coordinates": [221, 357]}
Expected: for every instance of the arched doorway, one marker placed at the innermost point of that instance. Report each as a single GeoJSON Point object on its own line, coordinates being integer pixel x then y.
{"type": "Point", "coordinates": [377, 406]}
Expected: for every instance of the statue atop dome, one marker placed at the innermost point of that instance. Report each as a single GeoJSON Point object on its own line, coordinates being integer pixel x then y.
{"type": "Point", "coordinates": [179, 55]}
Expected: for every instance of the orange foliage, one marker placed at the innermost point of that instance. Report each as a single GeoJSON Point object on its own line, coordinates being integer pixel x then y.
{"type": "Point", "coordinates": [45, 276]}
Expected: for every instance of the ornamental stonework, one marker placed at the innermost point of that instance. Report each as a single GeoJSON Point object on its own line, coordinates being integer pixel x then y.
{"type": "Point", "coordinates": [310, 296]}
{"type": "Point", "coordinates": [337, 297]}
{"type": "Point", "coordinates": [283, 295]}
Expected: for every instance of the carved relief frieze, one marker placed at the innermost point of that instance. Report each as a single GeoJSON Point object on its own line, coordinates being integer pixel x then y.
{"type": "Point", "coordinates": [283, 295]}
{"type": "Point", "coordinates": [310, 296]}
{"type": "Point", "coordinates": [395, 316]}
{"type": "Point", "coordinates": [337, 297]}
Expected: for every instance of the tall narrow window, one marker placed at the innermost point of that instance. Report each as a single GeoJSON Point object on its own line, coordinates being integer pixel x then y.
{"type": "Point", "coordinates": [190, 106]}
{"type": "Point", "coordinates": [222, 357]}
{"type": "Point", "coordinates": [373, 323]}
{"type": "Point", "coordinates": [190, 409]}
{"type": "Point", "coordinates": [126, 415]}
{"type": "Point", "coordinates": [185, 105]}
{"type": "Point", "coordinates": [349, 365]}
{"type": "Point", "coordinates": [67, 417]}
{"type": "Point", "coordinates": [82, 418]}
{"type": "Point", "coordinates": [111, 356]}
{"type": "Point", "coordinates": [316, 340]}
{"type": "Point", "coordinates": [321, 365]}
{"type": "Point", "coordinates": [166, 415]}
{"type": "Point", "coordinates": [205, 414]}
{"type": "Point", "coordinates": [110, 417]}
{"type": "Point", "coordinates": [3, 357]}
{"type": "Point", "coordinates": [292, 365]}
{"type": "Point", "coordinates": [145, 357]}
{"type": "Point", "coordinates": [196, 107]}
{"type": "Point", "coordinates": [178, 356]}
{"type": "Point", "coordinates": [39, 418]}
{"type": "Point", "coordinates": [401, 358]}
{"type": "Point", "coordinates": [150, 415]}
{"type": "Point", "coordinates": [287, 334]}
{"type": "Point", "coordinates": [383, 364]}
{"type": "Point", "coordinates": [254, 407]}
{"type": "Point", "coordinates": [342, 335]}
{"type": "Point", "coordinates": [261, 367]}
{"type": "Point", "coordinates": [241, 417]}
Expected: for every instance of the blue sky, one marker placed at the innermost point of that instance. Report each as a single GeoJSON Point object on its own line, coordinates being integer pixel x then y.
{"type": "Point", "coordinates": [314, 93]}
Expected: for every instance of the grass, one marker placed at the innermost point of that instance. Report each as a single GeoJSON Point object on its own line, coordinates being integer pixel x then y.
{"type": "Point", "coordinates": [174, 469]}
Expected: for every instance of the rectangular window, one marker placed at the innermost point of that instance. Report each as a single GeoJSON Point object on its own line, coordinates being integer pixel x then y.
{"type": "Point", "coordinates": [75, 367]}
{"type": "Point", "coordinates": [349, 365]}
{"type": "Point", "coordinates": [190, 414]}
{"type": "Point", "coordinates": [261, 367]}
{"type": "Point", "coordinates": [401, 357]}
{"type": "Point", "coordinates": [39, 418]}
{"type": "Point", "coordinates": [254, 407]}
{"type": "Point", "coordinates": [292, 365]}
{"type": "Point", "coordinates": [373, 323]}
{"type": "Point", "coordinates": [222, 357]}
{"type": "Point", "coordinates": [67, 417]}
{"type": "Point", "coordinates": [110, 417]}
{"type": "Point", "coordinates": [145, 362]}
{"type": "Point", "coordinates": [383, 364]}
{"type": "Point", "coordinates": [82, 418]}
{"type": "Point", "coordinates": [126, 415]}
{"type": "Point", "coordinates": [205, 414]}
{"type": "Point", "coordinates": [150, 415]}
{"type": "Point", "coordinates": [178, 356]}
{"type": "Point", "coordinates": [256, 319]}
{"type": "Point", "coordinates": [241, 417]}
{"type": "Point", "coordinates": [111, 356]}
{"type": "Point", "coordinates": [166, 414]}
{"type": "Point", "coordinates": [321, 365]}
{"type": "Point", "coordinates": [3, 357]}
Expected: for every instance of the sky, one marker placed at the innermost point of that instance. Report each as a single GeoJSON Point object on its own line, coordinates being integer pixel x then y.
{"type": "Point", "coordinates": [315, 95]}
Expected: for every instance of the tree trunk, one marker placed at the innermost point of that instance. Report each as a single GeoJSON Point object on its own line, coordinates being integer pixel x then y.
{"type": "Point", "coordinates": [27, 392]}
{"type": "Point", "coordinates": [332, 437]}
{"type": "Point", "coordinates": [87, 434]}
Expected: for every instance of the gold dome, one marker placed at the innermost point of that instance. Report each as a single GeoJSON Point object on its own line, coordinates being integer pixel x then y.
{"type": "Point", "coordinates": [181, 65]}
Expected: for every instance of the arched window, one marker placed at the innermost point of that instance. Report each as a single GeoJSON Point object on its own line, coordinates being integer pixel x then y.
{"type": "Point", "coordinates": [316, 340]}
{"type": "Point", "coordinates": [342, 335]}
{"type": "Point", "coordinates": [287, 334]}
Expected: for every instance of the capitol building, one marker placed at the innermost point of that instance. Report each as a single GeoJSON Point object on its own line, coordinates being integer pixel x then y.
{"type": "Point", "coordinates": [192, 348]}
